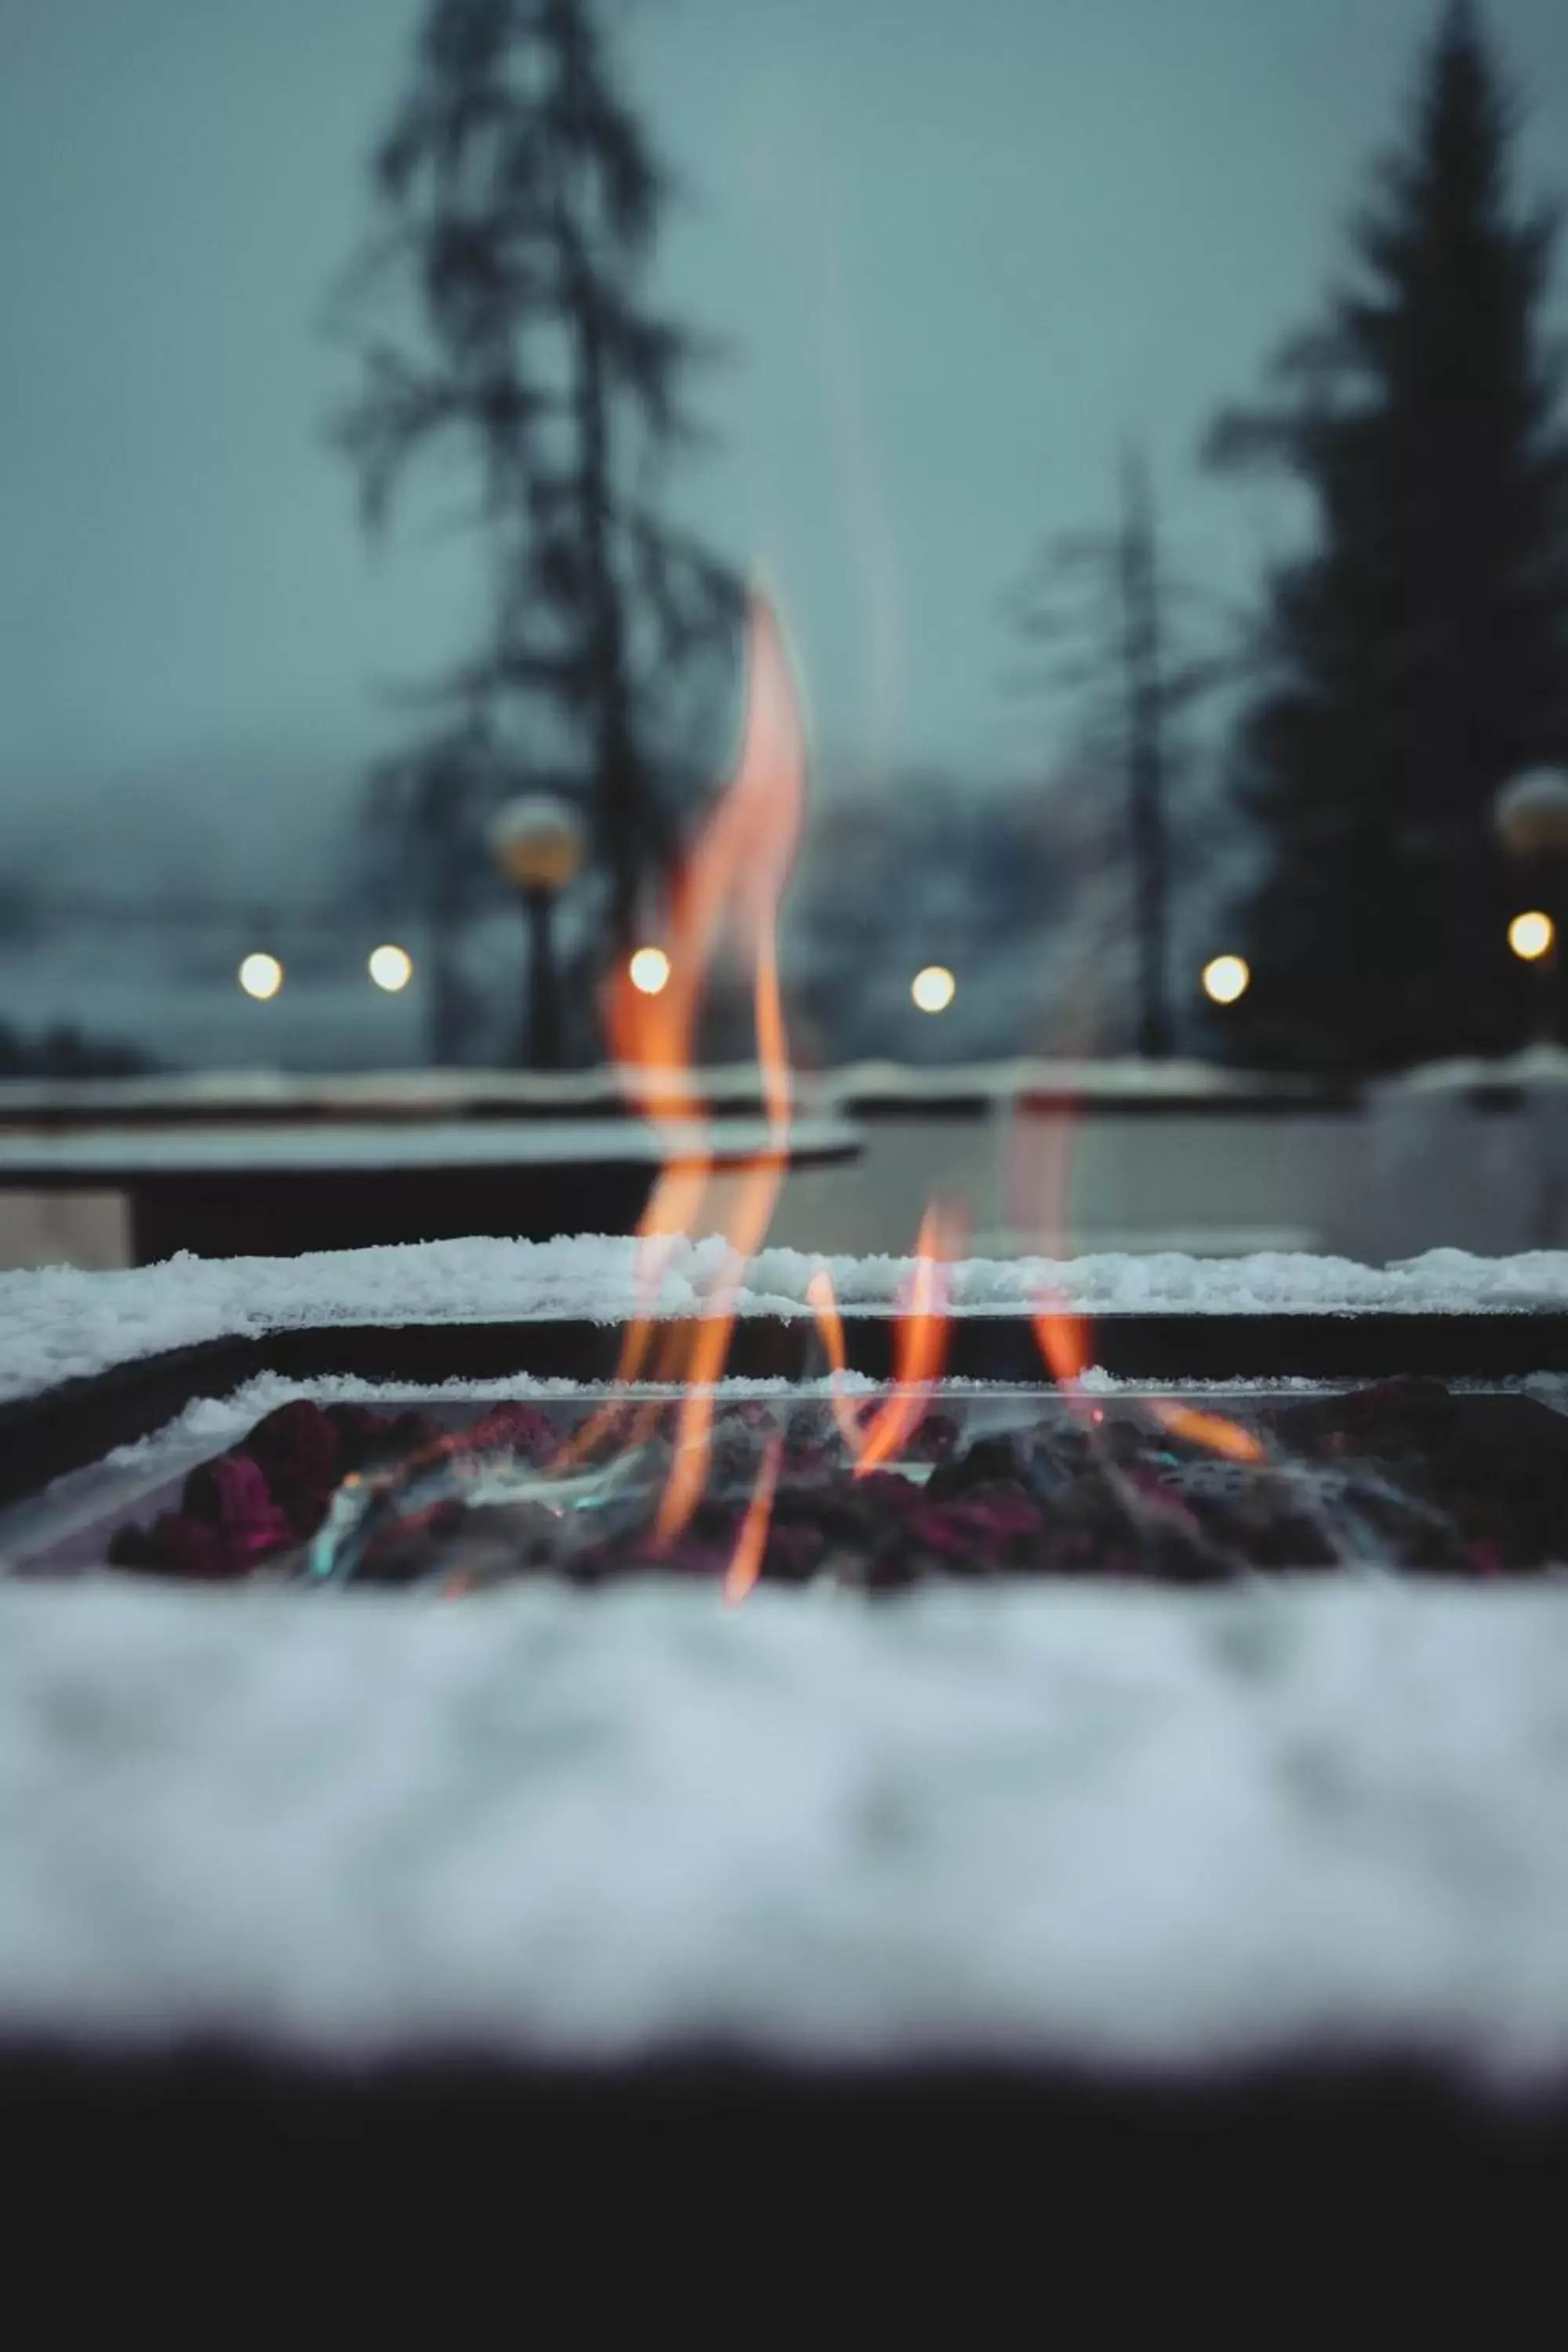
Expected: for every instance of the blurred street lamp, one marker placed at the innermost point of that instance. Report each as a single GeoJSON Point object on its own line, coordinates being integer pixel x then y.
{"type": "Point", "coordinates": [260, 976]}
{"type": "Point", "coordinates": [933, 989]}
{"type": "Point", "coordinates": [1227, 979]}
{"type": "Point", "coordinates": [1533, 936]}
{"type": "Point", "coordinates": [648, 971]}
{"type": "Point", "coordinates": [1531, 818]}
{"type": "Point", "coordinates": [390, 968]}
{"type": "Point", "coordinates": [537, 842]}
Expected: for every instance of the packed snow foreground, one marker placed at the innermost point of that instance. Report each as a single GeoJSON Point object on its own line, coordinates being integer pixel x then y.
{"type": "Point", "coordinates": [1121, 1826]}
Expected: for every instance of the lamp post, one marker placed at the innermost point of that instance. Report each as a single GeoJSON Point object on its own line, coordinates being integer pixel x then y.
{"type": "Point", "coordinates": [537, 842]}
{"type": "Point", "coordinates": [1532, 817]}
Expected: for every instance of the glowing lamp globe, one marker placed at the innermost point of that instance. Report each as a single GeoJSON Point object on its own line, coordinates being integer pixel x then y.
{"type": "Point", "coordinates": [390, 967]}
{"type": "Point", "coordinates": [934, 988]}
{"type": "Point", "coordinates": [1532, 814]}
{"type": "Point", "coordinates": [261, 977]}
{"type": "Point", "coordinates": [537, 842]}
{"type": "Point", "coordinates": [649, 970]}
{"type": "Point", "coordinates": [1227, 979]}
{"type": "Point", "coordinates": [1531, 936]}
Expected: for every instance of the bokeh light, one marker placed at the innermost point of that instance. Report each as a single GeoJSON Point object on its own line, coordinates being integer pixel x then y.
{"type": "Point", "coordinates": [390, 967]}
{"type": "Point", "coordinates": [1226, 978]}
{"type": "Point", "coordinates": [649, 969]}
{"type": "Point", "coordinates": [261, 976]}
{"type": "Point", "coordinates": [1531, 936]}
{"type": "Point", "coordinates": [933, 989]}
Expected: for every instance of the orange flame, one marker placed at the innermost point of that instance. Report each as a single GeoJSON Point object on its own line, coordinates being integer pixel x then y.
{"type": "Point", "coordinates": [1040, 1165]}
{"type": "Point", "coordinates": [734, 878]}
{"type": "Point", "coordinates": [752, 1541]}
{"type": "Point", "coordinates": [1208, 1429]}
{"type": "Point", "coordinates": [919, 1345]}
{"type": "Point", "coordinates": [824, 1304]}
{"type": "Point", "coordinates": [1063, 1339]}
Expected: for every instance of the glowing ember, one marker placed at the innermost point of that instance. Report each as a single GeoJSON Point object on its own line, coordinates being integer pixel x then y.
{"type": "Point", "coordinates": [1209, 1429]}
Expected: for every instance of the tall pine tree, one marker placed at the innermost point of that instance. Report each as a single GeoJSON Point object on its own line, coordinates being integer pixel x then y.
{"type": "Point", "coordinates": [501, 307]}
{"type": "Point", "coordinates": [1418, 654]}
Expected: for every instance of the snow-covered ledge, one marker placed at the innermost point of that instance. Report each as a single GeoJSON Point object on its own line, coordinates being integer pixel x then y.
{"type": "Point", "coordinates": [1152, 1828]}
{"type": "Point", "coordinates": [59, 1322]}
{"type": "Point", "coordinates": [1121, 1828]}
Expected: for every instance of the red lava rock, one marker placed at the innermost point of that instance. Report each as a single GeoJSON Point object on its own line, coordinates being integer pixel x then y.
{"type": "Point", "coordinates": [521, 1428]}
{"type": "Point", "coordinates": [178, 1544]}
{"type": "Point", "coordinates": [356, 1427]}
{"type": "Point", "coordinates": [1407, 1473]}
{"type": "Point", "coordinates": [231, 1496]}
{"type": "Point", "coordinates": [884, 1490]}
{"type": "Point", "coordinates": [301, 1452]}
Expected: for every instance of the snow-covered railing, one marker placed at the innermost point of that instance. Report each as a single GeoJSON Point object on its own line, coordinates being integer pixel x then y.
{"type": "Point", "coordinates": [59, 1323]}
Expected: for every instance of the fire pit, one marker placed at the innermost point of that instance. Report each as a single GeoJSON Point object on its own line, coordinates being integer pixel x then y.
{"type": "Point", "coordinates": [1150, 1769]}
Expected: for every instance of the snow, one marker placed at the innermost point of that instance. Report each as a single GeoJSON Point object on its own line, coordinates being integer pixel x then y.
{"type": "Point", "coordinates": [1542, 1067]}
{"type": "Point", "coordinates": [1138, 1828]}
{"type": "Point", "coordinates": [1124, 1077]}
{"type": "Point", "coordinates": [118, 1154]}
{"type": "Point", "coordinates": [59, 1322]}
{"type": "Point", "coordinates": [423, 1094]}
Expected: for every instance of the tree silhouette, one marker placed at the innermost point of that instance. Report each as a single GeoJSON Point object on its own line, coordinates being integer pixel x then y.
{"type": "Point", "coordinates": [499, 307]}
{"type": "Point", "coordinates": [1118, 632]}
{"type": "Point", "coordinates": [1417, 656]}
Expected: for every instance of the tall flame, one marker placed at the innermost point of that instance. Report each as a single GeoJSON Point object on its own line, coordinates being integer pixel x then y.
{"type": "Point", "coordinates": [734, 879]}
{"type": "Point", "coordinates": [823, 1301]}
{"type": "Point", "coordinates": [919, 1346]}
{"type": "Point", "coordinates": [732, 883]}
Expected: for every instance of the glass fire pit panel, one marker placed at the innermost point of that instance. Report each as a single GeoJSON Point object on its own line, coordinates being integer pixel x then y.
{"type": "Point", "coordinates": [876, 1491]}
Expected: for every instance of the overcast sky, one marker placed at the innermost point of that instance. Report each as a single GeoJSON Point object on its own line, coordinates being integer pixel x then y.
{"type": "Point", "coordinates": [962, 250]}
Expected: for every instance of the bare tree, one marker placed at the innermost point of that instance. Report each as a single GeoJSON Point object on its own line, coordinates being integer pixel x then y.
{"type": "Point", "coordinates": [499, 308]}
{"type": "Point", "coordinates": [1115, 626]}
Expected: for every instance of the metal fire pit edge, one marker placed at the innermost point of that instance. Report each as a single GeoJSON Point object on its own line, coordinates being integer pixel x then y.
{"type": "Point", "coordinates": [1381, 2135]}
{"type": "Point", "coordinates": [66, 1427]}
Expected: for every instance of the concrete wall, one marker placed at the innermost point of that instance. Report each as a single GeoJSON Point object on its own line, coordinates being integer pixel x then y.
{"type": "Point", "coordinates": [90, 1229]}
{"type": "Point", "coordinates": [1408, 1173]}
